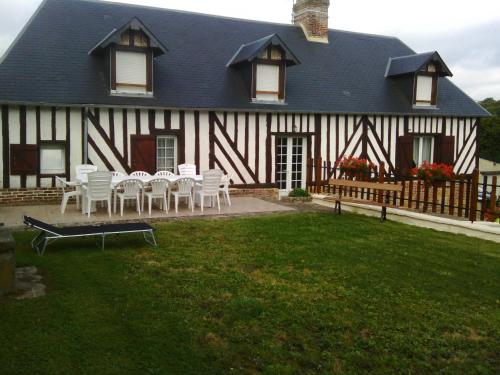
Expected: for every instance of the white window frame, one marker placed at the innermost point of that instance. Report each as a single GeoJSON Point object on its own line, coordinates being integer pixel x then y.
{"type": "Point", "coordinates": [420, 139]}
{"type": "Point", "coordinates": [158, 139]}
{"type": "Point", "coordinates": [60, 165]}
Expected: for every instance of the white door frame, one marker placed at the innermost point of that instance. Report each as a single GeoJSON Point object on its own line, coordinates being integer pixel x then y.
{"type": "Point", "coordinates": [302, 152]}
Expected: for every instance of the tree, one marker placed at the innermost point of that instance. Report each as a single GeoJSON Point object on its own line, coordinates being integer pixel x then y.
{"type": "Point", "coordinates": [489, 131]}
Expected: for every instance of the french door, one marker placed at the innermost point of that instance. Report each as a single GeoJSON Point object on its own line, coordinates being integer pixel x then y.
{"type": "Point", "coordinates": [290, 163]}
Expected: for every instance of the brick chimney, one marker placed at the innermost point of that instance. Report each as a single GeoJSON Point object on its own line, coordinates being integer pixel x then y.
{"type": "Point", "coordinates": [312, 16]}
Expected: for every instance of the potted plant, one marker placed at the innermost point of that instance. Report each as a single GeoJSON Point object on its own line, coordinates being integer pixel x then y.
{"type": "Point", "coordinates": [299, 195]}
{"type": "Point", "coordinates": [434, 174]}
{"type": "Point", "coordinates": [354, 167]}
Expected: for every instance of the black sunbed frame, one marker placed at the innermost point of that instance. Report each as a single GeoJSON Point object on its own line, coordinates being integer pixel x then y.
{"type": "Point", "coordinates": [50, 233]}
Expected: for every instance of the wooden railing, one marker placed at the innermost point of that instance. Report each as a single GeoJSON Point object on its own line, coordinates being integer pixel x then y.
{"type": "Point", "coordinates": [460, 197]}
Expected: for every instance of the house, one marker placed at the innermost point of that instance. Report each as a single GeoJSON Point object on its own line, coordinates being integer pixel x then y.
{"type": "Point", "coordinates": [129, 87]}
{"type": "Point", "coordinates": [489, 169]}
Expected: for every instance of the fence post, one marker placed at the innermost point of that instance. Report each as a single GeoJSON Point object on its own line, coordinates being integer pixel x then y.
{"type": "Point", "coordinates": [318, 175]}
{"type": "Point", "coordinates": [310, 164]}
{"type": "Point", "coordinates": [473, 196]}
{"type": "Point", "coordinates": [493, 195]}
{"type": "Point", "coordinates": [381, 179]}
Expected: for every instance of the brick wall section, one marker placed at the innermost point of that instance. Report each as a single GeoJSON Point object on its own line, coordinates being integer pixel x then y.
{"type": "Point", "coordinates": [40, 196]}
{"type": "Point", "coordinates": [23, 197]}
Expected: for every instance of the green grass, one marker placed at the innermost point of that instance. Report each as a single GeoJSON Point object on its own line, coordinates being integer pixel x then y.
{"type": "Point", "coordinates": [284, 294]}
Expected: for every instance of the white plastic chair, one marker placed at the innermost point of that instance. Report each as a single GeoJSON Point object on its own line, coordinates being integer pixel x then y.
{"type": "Point", "coordinates": [210, 186]}
{"type": "Point", "coordinates": [128, 189]}
{"type": "Point", "coordinates": [158, 190]}
{"type": "Point", "coordinates": [187, 170]}
{"type": "Point", "coordinates": [85, 168]}
{"type": "Point", "coordinates": [118, 174]}
{"type": "Point", "coordinates": [140, 174]}
{"type": "Point", "coordinates": [224, 188]}
{"type": "Point", "coordinates": [164, 174]}
{"type": "Point", "coordinates": [98, 189]}
{"type": "Point", "coordinates": [184, 190]}
{"type": "Point", "coordinates": [77, 193]}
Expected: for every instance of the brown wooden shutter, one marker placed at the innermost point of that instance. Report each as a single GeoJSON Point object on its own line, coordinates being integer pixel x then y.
{"type": "Point", "coordinates": [404, 155]}
{"type": "Point", "coordinates": [444, 149]}
{"type": "Point", "coordinates": [23, 159]}
{"type": "Point", "coordinates": [149, 71]}
{"type": "Point", "coordinates": [143, 148]}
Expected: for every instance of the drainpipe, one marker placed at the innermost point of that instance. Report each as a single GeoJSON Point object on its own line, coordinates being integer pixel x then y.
{"type": "Point", "coordinates": [85, 137]}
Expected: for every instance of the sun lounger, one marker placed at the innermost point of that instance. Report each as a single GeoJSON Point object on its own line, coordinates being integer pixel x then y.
{"type": "Point", "coordinates": [50, 233]}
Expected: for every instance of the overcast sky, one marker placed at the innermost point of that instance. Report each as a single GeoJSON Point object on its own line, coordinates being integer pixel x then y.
{"type": "Point", "coordinates": [466, 33]}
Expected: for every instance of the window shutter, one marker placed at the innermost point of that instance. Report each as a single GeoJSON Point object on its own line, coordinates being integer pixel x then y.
{"type": "Point", "coordinates": [143, 149]}
{"type": "Point", "coordinates": [424, 88]}
{"type": "Point", "coordinates": [131, 68]}
{"type": "Point", "coordinates": [404, 155]}
{"type": "Point", "coordinates": [23, 159]}
{"type": "Point", "coordinates": [444, 149]}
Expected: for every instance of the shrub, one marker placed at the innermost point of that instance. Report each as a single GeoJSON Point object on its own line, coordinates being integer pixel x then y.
{"type": "Point", "coordinates": [297, 192]}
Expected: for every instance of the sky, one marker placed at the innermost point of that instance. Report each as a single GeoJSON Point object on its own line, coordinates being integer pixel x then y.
{"type": "Point", "coordinates": [465, 33]}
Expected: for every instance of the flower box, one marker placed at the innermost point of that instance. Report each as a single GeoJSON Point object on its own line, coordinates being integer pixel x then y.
{"type": "Point", "coordinates": [434, 174]}
{"type": "Point", "coordinates": [354, 167]}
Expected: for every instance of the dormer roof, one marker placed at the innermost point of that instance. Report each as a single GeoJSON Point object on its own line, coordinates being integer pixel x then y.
{"type": "Point", "coordinates": [114, 37]}
{"type": "Point", "coordinates": [250, 51]}
{"type": "Point", "coordinates": [410, 64]}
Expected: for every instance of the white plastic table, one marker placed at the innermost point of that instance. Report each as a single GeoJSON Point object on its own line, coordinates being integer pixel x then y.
{"type": "Point", "coordinates": [115, 180]}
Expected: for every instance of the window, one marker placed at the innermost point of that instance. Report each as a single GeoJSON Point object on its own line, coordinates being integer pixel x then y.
{"type": "Point", "coordinates": [268, 82]}
{"type": "Point", "coordinates": [426, 86]}
{"type": "Point", "coordinates": [423, 150]}
{"type": "Point", "coordinates": [52, 158]}
{"type": "Point", "coordinates": [166, 153]}
{"type": "Point", "coordinates": [131, 72]}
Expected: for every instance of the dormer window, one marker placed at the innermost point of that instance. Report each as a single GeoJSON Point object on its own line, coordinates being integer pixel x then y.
{"type": "Point", "coordinates": [426, 86]}
{"type": "Point", "coordinates": [269, 68]}
{"type": "Point", "coordinates": [420, 74]}
{"type": "Point", "coordinates": [263, 64]}
{"type": "Point", "coordinates": [130, 51]}
{"type": "Point", "coordinates": [131, 65]}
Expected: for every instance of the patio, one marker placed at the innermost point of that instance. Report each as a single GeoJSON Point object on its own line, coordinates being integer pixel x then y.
{"type": "Point", "coordinates": [11, 216]}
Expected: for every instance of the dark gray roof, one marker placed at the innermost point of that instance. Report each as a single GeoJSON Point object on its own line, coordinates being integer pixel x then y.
{"type": "Point", "coordinates": [114, 37]}
{"type": "Point", "coordinates": [49, 63]}
{"type": "Point", "coordinates": [248, 52]}
{"type": "Point", "coordinates": [413, 63]}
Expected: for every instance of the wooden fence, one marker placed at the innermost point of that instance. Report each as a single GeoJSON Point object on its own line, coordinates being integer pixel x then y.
{"type": "Point", "coordinates": [465, 196]}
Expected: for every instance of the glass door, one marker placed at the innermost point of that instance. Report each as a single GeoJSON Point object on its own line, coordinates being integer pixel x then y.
{"type": "Point", "coordinates": [290, 163]}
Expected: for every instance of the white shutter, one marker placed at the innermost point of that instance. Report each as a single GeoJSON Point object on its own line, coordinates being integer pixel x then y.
{"type": "Point", "coordinates": [52, 159]}
{"type": "Point", "coordinates": [424, 88]}
{"type": "Point", "coordinates": [268, 77]}
{"type": "Point", "coordinates": [130, 68]}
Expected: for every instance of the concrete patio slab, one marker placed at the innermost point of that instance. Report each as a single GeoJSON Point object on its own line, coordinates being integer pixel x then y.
{"type": "Point", "coordinates": [12, 216]}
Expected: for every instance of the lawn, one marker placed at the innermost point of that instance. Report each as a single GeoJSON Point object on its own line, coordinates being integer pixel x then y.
{"type": "Point", "coordinates": [308, 293]}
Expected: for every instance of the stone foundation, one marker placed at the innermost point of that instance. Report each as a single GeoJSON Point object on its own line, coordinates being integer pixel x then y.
{"type": "Point", "coordinates": [28, 196]}
{"type": "Point", "coordinates": [38, 196]}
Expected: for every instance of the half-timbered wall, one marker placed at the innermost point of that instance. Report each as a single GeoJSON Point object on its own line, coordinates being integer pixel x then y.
{"type": "Point", "coordinates": [241, 143]}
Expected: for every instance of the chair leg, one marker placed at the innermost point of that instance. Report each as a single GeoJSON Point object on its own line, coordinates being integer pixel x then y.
{"type": "Point", "coordinates": [64, 203]}
{"type": "Point", "coordinates": [227, 196]}
{"type": "Point", "coordinates": [202, 202]}
{"type": "Point", "coordinates": [150, 203]}
{"type": "Point", "coordinates": [191, 202]}
{"type": "Point", "coordinates": [89, 202]}
{"type": "Point", "coordinates": [138, 205]}
{"type": "Point", "coordinates": [165, 203]}
{"type": "Point", "coordinates": [218, 202]}
{"type": "Point", "coordinates": [109, 206]}
{"type": "Point", "coordinates": [176, 198]}
{"type": "Point", "coordinates": [121, 205]}
{"type": "Point", "coordinates": [77, 202]}
{"type": "Point", "coordinates": [114, 203]}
